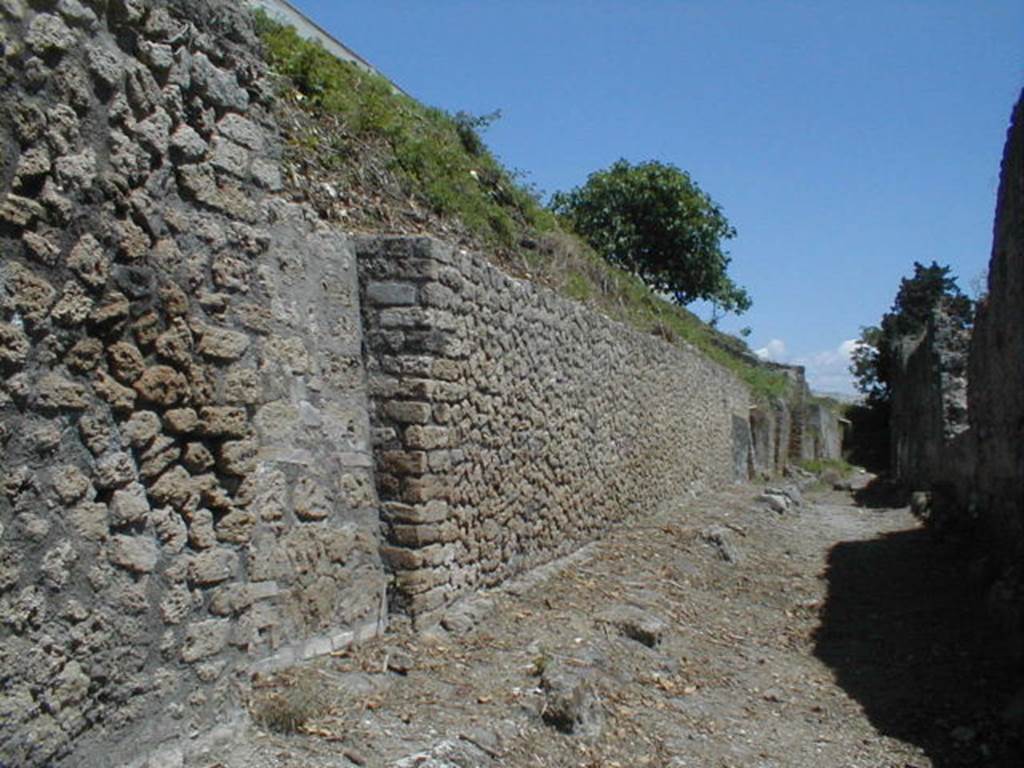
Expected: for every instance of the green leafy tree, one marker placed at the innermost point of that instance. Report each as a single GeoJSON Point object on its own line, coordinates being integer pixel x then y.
{"type": "Point", "coordinates": [874, 357]}
{"type": "Point", "coordinates": [654, 221]}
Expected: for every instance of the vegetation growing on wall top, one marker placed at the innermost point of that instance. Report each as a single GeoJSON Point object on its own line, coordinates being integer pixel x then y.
{"type": "Point", "coordinates": [359, 123]}
{"type": "Point", "coordinates": [441, 158]}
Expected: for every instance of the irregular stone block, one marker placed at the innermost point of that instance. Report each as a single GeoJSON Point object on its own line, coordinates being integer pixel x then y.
{"type": "Point", "coordinates": [30, 294]}
{"type": "Point", "coordinates": [570, 701]}
{"type": "Point", "coordinates": [407, 412]}
{"type": "Point", "coordinates": [238, 457]}
{"type": "Point", "coordinates": [134, 553]}
{"type": "Point", "coordinates": [241, 131]}
{"type": "Point", "coordinates": [54, 393]}
{"type": "Point", "coordinates": [20, 211]}
{"type": "Point", "coordinates": [129, 505]}
{"type": "Point", "coordinates": [70, 483]}
{"type": "Point", "coordinates": [89, 520]}
{"type": "Point", "coordinates": [181, 421]}
{"type": "Point", "coordinates": [162, 385]}
{"type": "Point", "coordinates": [114, 470]}
{"type": "Point", "coordinates": [175, 487]}
{"type": "Point", "coordinates": [223, 421]}
{"type": "Point", "coordinates": [120, 398]}
{"type": "Point", "coordinates": [126, 362]}
{"type": "Point", "coordinates": [197, 457]}
{"type": "Point", "coordinates": [205, 639]}
{"type": "Point", "coordinates": [236, 527]}
{"type": "Point", "coordinates": [427, 437]}
{"type": "Point", "coordinates": [163, 452]}
{"type": "Point", "coordinates": [391, 294]}
{"type": "Point", "coordinates": [222, 344]}
{"type": "Point", "coordinates": [14, 346]}
{"type": "Point", "coordinates": [104, 65]}
{"type": "Point", "coordinates": [48, 33]}
{"type": "Point", "coordinates": [217, 86]}
{"type": "Point", "coordinates": [213, 566]}
{"type": "Point", "coordinates": [141, 428]}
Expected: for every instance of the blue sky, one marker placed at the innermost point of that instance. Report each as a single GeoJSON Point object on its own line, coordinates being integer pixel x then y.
{"type": "Point", "coordinates": [843, 140]}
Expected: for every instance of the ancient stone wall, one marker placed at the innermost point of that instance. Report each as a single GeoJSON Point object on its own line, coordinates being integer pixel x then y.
{"type": "Point", "coordinates": [958, 412]}
{"type": "Point", "coordinates": [929, 404]}
{"type": "Point", "coordinates": [512, 424]}
{"type": "Point", "coordinates": [186, 474]}
{"type": "Point", "coordinates": [996, 396]}
{"type": "Point", "coordinates": [189, 489]}
{"type": "Point", "coordinates": [791, 430]}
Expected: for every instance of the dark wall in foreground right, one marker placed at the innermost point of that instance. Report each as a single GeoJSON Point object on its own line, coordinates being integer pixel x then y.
{"type": "Point", "coordinates": [996, 392]}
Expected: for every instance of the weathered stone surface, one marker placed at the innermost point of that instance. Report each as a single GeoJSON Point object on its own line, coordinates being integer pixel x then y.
{"type": "Point", "coordinates": [119, 397]}
{"type": "Point", "coordinates": [48, 33]}
{"type": "Point", "coordinates": [213, 566]}
{"type": "Point", "coordinates": [199, 182]}
{"type": "Point", "coordinates": [236, 527]}
{"type": "Point", "coordinates": [223, 421]}
{"type": "Point", "coordinates": [28, 293]}
{"type": "Point", "coordinates": [155, 294]}
{"type": "Point", "coordinates": [129, 505]}
{"type": "Point", "coordinates": [175, 488]}
{"type": "Point", "coordinates": [73, 306]}
{"type": "Point", "coordinates": [54, 393]}
{"type": "Point", "coordinates": [14, 346]}
{"type": "Point", "coordinates": [76, 14]}
{"type": "Point", "coordinates": [721, 539]}
{"type": "Point", "coordinates": [126, 362]}
{"type": "Point", "coordinates": [70, 483]}
{"type": "Point", "coordinates": [134, 553]}
{"type": "Point", "coordinates": [187, 145]}
{"type": "Point", "coordinates": [114, 470]}
{"type": "Point", "coordinates": [162, 385]}
{"type": "Point", "coordinates": [197, 458]}
{"type": "Point", "coordinates": [20, 211]}
{"type": "Point", "coordinates": [31, 165]}
{"type": "Point", "coordinates": [105, 65]}
{"type": "Point", "coordinates": [391, 294]}
{"type": "Point", "coordinates": [205, 639]}
{"type": "Point", "coordinates": [474, 443]}
{"type": "Point", "coordinates": [89, 520]}
{"type": "Point", "coordinates": [200, 530]}
{"type": "Point", "coordinates": [141, 428]}
{"type": "Point", "coordinates": [219, 87]}
{"type": "Point", "coordinates": [181, 421]}
{"type": "Point", "coordinates": [222, 344]}
{"type": "Point", "coordinates": [175, 344]}
{"type": "Point", "coordinates": [238, 457]}
{"type": "Point", "coordinates": [570, 701]}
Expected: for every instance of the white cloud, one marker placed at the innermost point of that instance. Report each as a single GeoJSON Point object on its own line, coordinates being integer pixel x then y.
{"type": "Point", "coordinates": [829, 371]}
{"type": "Point", "coordinates": [774, 350]}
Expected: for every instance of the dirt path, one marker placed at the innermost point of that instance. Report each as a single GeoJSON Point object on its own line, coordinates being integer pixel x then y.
{"type": "Point", "coordinates": [716, 633]}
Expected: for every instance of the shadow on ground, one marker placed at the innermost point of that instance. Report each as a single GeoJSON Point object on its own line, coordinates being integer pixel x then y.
{"type": "Point", "coordinates": [880, 493]}
{"type": "Point", "coordinates": [901, 629]}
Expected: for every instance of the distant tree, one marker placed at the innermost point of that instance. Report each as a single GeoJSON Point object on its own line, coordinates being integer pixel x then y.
{"type": "Point", "coordinates": [874, 357]}
{"type": "Point", "coordinates": [654, 221]}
